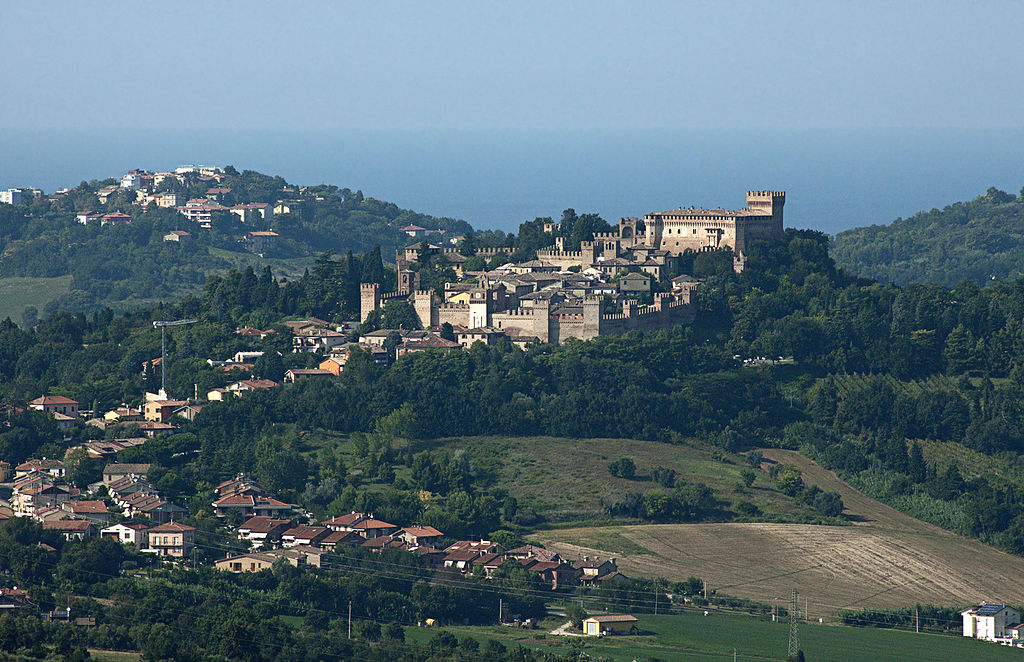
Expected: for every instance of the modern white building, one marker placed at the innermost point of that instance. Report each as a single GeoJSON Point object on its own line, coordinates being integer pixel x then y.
{"type": "Point", "coordinates": [15, 196]}
{"type": "Point", "coordinates": [991, 622]}
{"type": "Point", "coordinates": [132, 180]}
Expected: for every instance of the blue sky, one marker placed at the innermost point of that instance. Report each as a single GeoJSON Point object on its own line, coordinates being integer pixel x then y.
{"type": "Point", "coordinates": [481, 65]}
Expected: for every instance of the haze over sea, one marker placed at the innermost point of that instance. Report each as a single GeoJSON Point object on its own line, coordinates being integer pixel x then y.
{"type": "Point", "coordinates": [835, 179]}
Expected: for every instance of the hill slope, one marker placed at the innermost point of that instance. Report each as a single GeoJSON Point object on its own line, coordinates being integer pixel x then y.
{"type": "Point", "coordinates": [977, 240]}
{"type": "Point", "coordinates": [887, 559]}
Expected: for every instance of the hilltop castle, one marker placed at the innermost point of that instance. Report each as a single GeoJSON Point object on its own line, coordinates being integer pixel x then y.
{"type": "Point", "coordinates": [544, 301]}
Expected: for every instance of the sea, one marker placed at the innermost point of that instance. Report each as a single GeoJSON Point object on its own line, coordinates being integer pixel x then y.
{"type": "Point", "coordinates": [496, 179]}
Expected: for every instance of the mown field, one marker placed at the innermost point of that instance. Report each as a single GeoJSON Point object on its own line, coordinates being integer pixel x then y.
{"type": "Point", "coordinates": [17, 292]}
{"type": "Point", "coordinates": [693, 636]}
{"type": "Point", "coordinates": [885, 559]}
{"type": "Point", "coordinates": [567, 480]}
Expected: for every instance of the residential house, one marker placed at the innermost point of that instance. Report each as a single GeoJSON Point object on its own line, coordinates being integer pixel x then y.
{"type": "Point", "coordinates": [635, 283]}
{"type": "Point", "coordinates": [244, 385]}
{"type": "Point", "coordinates": [135, 534]}
{"type": "Point", "coordinates": [248, 213]}
{"type": "Point", "coordinates": [115, 471]}
{"type": "Point", "coordinates": [153, 428]}
{"type": "Point", "coordinates": [36, 493]}
{"type": "Point", "coordinates": [304, 535]}
{"type": "Point", "coordinates": [333, 365]}
{"type": "Point", "coordinates": [260, 529]}
{"type": "Point", "coordinates": [252, 505]}
{"type": "Point", "coordinates": [12, 598]}
{"type": "Point", "coordinates": [485, 335]}
{"type": "Point", "coordinates": [556, 572]}
{"type": "Point", "coordinates": [420, 535]}
{"type": "Point", "coordinates": [313, 339]}
{"type": "Point", "coordinates": [53, 468]}
{"type": "Point", "coordinates": [414, 231]}
{"type": "Point", "coordinates": [294, 374]}
{"type": "Point", "coordinates": [342, 538]}
{"type": "Point", "coordinates": [261, 242]}
{"type": "Point", "coordinates": [478, 546]}
{"type": "Point", "coordinates": [173, 539]}
{"type": "Point", "coordinates": [461, 559]}
{"type": "Point", "coordinates": [188, 412]}
{"type": "Point", "coordinates": [161, 411]}
{"type": "Point", "coordinates": [5, 471]}
{"type": "Point", "coordinates": [87, 217]}
{"type": "Point", "coordinates": [115, 218]}
{"type": "Point", "coordinates": [990, 621]}
{"type": "Point", "coordinates": [532, 551]}
{"type": "Point", "coordinates": [94, 511]}
{"type": "Point", "coordinates": [595, 570]}
{"type": "Point", "coordinates": [178, 236]}
{"type": "Point", "coordinates": [201, 212]}
{"type": "Point", "coordinates": [373, 528]}
{"type": "Point", "coordinates": [427, 344]}
{"type": "Point", "coordinates": [52, 404]}
{"type": "Point", "coordinates": [346, 522]}
{"type": "Point", "coordinates": [167, 199]}
{"type": "Point", "coordinates": [610, 624]}
{"type": "Point", "coordinates": [71, 528]}
{"type": "Point", "coordinates": [252, 562]}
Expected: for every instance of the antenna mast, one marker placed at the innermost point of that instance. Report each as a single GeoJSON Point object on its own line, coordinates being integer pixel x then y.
{"type": "Point", "coordinates": [162, 325]}
{"type": "Point", "coordinates": [794, 627]}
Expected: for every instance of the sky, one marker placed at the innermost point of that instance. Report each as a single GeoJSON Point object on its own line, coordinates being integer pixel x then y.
{"type": "Point", "coordinates": [511, 65]}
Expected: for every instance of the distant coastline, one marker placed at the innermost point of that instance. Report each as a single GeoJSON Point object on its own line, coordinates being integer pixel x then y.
{"type": "Point", "coordinates": [836, 179]}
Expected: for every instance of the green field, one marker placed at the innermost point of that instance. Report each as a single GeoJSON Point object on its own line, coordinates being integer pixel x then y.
{"type": "Point", "coordinates": [16, 293]}
{"type": "Point", "coordinates": [567, 480]}
{"type": "Point", "coordinates": [693, 636]}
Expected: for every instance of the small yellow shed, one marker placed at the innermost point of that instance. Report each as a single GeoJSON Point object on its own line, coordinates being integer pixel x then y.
{"type": "Point", "coordinates": [611, 624]}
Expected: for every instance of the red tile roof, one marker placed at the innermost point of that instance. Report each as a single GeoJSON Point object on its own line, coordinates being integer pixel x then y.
{"type": "Point", "coordinates": [172, 527]}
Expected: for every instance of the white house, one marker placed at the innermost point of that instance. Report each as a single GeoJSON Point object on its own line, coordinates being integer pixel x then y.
{"type": "Point", "coordinates": [137, 534]}
{"type": "Point", "coordinates": [990, 621]}
{"type": "Point", "coordinates": [132, 180]}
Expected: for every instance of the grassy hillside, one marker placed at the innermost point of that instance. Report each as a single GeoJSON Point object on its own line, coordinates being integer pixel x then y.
{"type": "Point", "coordinates": [693, 636]}
{"type": "Point", "coordinates": [886, 559]}
{"type": "Point", "coordinates": [977, 240]}
{"type": "Point", "coordinates": [567, 480]}
{"type": "Point", "coordinates": [18, 293]}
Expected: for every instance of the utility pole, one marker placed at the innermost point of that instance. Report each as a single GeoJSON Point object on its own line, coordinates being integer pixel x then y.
{"type": "Point", "coordinates": [917, 621]}
{"type": "Point", "coordinates": [705, 589]}
{"type": "Point", "coordinates": [655, 601]}
{"type": "Point", "coordinates": [162, 325]}
{"type": "Point", "coordinates": [794, 624]}
{"type": "Point", "coordinates": [733, 655]}
{"type": "Point", "coordinates": [499, 610]}
{"type": "Point", "coordinates": [349, 619]}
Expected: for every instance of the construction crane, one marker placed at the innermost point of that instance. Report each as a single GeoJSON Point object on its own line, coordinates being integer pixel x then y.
{"type": "Point", "coordinates": [162, 325]}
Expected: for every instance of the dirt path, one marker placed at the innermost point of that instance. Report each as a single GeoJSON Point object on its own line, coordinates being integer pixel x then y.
{"type": "Point", "coordinates": [886, 559]}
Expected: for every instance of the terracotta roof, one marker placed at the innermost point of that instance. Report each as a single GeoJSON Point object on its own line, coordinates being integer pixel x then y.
{"type": "Point", "coordinates": [53, 400]}
{"type": "Point", "coordinates": [346, 520]}
{"type": "Point", "coordinates": [171, 527]}
{"type": "Point", "coordinates": [613, 618]}
{"type": "Point", "coordinates": [306, 532]}
{"type": "Point", "coordinates": [372, 524]}
{"type": "Point", "coordinates": [262, 524]}
{"type": "Point", "coordinates": [422, 531]}
{"type": "Point", "coordinates": [342, 537]}
{"type": "Point", "coordinates": [92, 507]}
{"type": "Point", "coordinates": [67, 524]}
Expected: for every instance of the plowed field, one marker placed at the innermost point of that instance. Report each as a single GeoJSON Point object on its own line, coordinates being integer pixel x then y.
{"type": "Point", "coordinates": [885, 559]}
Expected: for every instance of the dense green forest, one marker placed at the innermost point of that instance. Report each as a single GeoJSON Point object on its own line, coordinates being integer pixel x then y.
{"type": "Point", "coordinates": [131, 262]}
{"type": "Point", "coordinates": [978, 240]}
